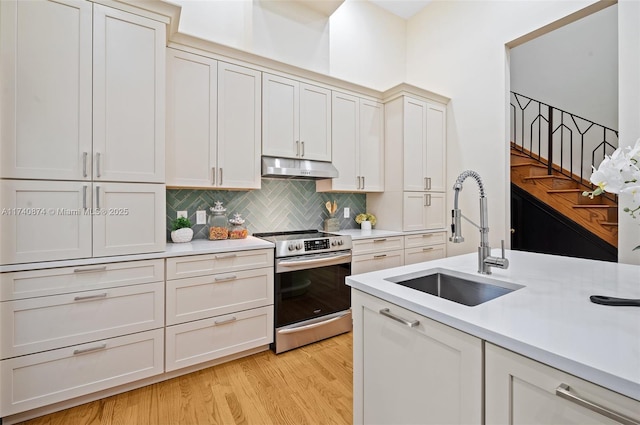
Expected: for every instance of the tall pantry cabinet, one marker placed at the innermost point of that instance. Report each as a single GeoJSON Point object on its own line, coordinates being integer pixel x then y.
{"type": "Point", "coordinates": [415, 164]}
{"type": "Point", "coordinates": [82, 153]}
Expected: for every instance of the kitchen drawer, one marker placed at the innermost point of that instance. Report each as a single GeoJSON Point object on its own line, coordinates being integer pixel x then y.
{"type": "Point", "coordinates": [207, 296]}
{"type": "Point", "coordinates": [374, 262]}
{"type": "Point", "coordinates": [45, 323]}
{"type": "Point", "coordinates": [425, 239]}
{"type": "Point", "coordinates": [426, 253]}
{"type": "Point", "coordinates": [203, 340]}
{"type": "Point", "coordinates": [202, 265]}
{"type": "Point", "coordinates": [38, 283]}
{"type": "Point", "coordinates": [368, 246]}
{"type": "Point", "coordinates": [53, 376]}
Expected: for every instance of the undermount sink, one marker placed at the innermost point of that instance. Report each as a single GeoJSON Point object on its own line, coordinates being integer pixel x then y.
{"type": "Point", "coordinates": [462, 289]}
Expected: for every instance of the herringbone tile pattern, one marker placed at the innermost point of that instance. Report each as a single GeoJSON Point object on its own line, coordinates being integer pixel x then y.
{"type": "Point", "coordinates": [278, 205]}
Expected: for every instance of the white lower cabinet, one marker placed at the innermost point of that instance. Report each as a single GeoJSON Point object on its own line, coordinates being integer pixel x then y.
{"type": "Point", "coordinates": [376, 254]}
{"type": "Point", "coordinates": [409, 369]}
{"type": "Point", "coordinates": [45, 378]}
{"type": "Point", "coordinates": [423, 247]}
{"type": "Point", "coordinates": [218, 305]}
{"type": "Point", "coordinates": [70, 331]}
{"type": "Point", "coordinates": [519, 390]}
{"type": "Point", "coordinates": [209, 339]}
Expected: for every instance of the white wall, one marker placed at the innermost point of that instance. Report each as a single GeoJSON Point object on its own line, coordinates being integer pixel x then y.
{"type": "Point", "coordinates": [360, 42]}
{"type": "Point", "coordinates": [629, 70]}
{"type": "Point", "coordinates": [285, 31]}
{"type": "Point", "coordinates": [574, 68]}
{"type": "Point", "coordinates": [458, 49]}
{"type": "Point", "coordinates": [367, 45]}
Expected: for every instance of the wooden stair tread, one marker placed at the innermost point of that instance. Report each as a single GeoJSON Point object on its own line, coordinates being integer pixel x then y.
{"type": "Point", "coordinates": [546, 177]}
{"type": "Point", "coordinates": [594, 206]}
{"type": "Point", "coordinates": [565, 191]}
{"type": "Point", "coordinates": [529, 164]}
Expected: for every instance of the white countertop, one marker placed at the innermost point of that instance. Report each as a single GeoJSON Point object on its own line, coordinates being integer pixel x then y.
{"type": "Point", "coordinates": [378, 233]}
{"type": "Point", "coordinates": [550, 320]}
{"type": "Point", "coordinates": [195, 247]}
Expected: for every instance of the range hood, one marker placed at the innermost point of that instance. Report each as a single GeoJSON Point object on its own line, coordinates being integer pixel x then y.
{"type": "Point", "coordinates": [297, 168]}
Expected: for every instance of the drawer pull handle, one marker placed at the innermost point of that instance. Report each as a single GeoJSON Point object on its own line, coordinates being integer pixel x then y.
{"type": "Point", "coordinates": [427, 249]}
{"type": "Point", "coordinates": [222, 322]}
{"type": "Point", "coordinates": [410, 323]}
{"type": "Point", "coordinates": [380, 240]}
{"type": "Point", "coordinates": [90, 297]}
{"type": "Point", "coordinates": [225, 278]}
{"type": "Point", "coordinates": [380, 256]}
{"type": "Point", "coordinates": [90, 349]}
{"type": "Point", "coordinates": [427, 235]}
{"type": "Point", "coordinates": [213, 173]}
{"type": "Point", "coordinates": [564, 391]}
{"type": "Point", "coordinates": [221, 257]}
{"type": "Point", "coordinates": [91, 269]}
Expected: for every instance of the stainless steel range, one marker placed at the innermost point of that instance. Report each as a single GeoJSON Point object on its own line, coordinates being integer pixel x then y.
{"type": "Point", "coordinates": [312, 301]}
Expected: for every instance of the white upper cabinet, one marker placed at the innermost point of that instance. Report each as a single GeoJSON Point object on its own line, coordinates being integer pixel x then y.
{"type": "Point", "coordinates": [128, 97]}
{"type": "Point", "coordinates": [239, 130]}
{"type": "Point", "coordinates": [46, 116]}
{"type": "Point", "coordinates": [83, 92]}
{"type": "Point", "coordinates": [213, 123]}
{"type": "Point", "coordinates": [192, 99]}
{"type": "Point", "coordinates": [357, 138]}
{"type": "Point", "coordinates": [296, 119]}
{"type": "Point", "coordinates": [424, 146]}
{"type": "Point", "coordinates": [424, 211]}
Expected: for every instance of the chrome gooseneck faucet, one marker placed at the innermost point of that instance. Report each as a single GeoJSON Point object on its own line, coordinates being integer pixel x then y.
{"type": "Point", "coordinates": [485, 260]}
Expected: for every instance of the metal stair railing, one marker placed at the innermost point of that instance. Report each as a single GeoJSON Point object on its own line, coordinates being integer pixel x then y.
{"type": "Point", "coordinates": [554, 145]}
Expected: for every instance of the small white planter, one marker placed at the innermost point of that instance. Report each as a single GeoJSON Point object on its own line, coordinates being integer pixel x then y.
{"type": "Point", "coordinates": [365, 225]}
{"type": "Point", "coordinates": [182, 235]}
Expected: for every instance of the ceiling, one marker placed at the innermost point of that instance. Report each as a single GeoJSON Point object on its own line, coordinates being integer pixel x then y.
{"type": "Point", "coordinates": [402, 8]}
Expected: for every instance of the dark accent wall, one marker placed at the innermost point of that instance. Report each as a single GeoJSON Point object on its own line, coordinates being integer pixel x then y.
{"type": "Point", "coordinates": [539, 228]}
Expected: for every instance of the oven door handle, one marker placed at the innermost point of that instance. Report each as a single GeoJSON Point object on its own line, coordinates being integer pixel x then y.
{"type": "Point", "coordinates": [294, 263]}
{"type": "Point", "coordinates": [312, 325]}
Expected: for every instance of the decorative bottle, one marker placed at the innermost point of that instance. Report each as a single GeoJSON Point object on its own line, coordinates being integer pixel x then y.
{"type": "Point", "coordinates": [218, 222]}
{"type": "Point", "coordinates": [237, 229]}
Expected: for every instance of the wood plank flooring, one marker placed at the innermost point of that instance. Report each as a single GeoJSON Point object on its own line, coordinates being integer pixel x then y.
{"type": "Point", "coordinates": [309, 385]}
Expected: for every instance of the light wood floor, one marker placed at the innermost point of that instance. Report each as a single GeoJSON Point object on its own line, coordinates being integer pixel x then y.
{"type": "Point", "coordinates": [309, 385]}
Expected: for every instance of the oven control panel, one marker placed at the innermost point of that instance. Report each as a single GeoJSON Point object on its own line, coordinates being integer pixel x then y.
{"type": "Point", "coordinates": [316, 244]}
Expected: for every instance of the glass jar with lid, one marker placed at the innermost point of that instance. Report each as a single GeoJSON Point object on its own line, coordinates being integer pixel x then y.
{"type": "Point", "coordinates": [218, 222]}
{"type": "Point", "coordinates": [237, 229]}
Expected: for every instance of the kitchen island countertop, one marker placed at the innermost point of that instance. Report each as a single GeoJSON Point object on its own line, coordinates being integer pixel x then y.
{"type": "Point", "coordinates": [550, 319]}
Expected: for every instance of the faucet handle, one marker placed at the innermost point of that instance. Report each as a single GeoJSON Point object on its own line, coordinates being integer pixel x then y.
{"type": "Point", "coordinates": [502, 246]}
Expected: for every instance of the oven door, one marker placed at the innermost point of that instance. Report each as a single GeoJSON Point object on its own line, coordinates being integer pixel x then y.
{"type": "Point", "coordinates": [311, 286]}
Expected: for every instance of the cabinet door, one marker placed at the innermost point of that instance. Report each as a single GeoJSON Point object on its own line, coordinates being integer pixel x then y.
{"type": "Point", "coordinates": [371, 152]}
{"type": "Point", "coordinates": [44, 220]}
{"type": "Point", "coordinates": [315, 123]}
{"type": "Point", "coordinates": [380, 261]}
{"type": "Point", "coordinates": [424, 211]}
{"type": "Point", "coordinates": [191, 119]}
{"type": "Point", "coordinates": [280, 108]}
{"type": "Point", "coordinates": [128, 97]}
{"type": "Point", "coordinates": [239, 127]}
{"type": "Point", "coordinates": [345, 140]}
{"type": "Point", "coordinates": [519, 390]}
{"type": "Point", "coordinates": [415, 144]}
{"type": "Point", "coordinates": [409, 369]}
{"type": "Point", "coordinates": [436, 147]}
{"type": "Point", "coordinates": [128, 218]}
{"type": "Point", "coordinates": [46, 89]}
{"type": "Point", "coordinates": [78, 370]}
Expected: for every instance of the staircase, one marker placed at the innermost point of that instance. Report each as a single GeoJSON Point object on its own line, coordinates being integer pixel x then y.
{"type": "Point", "coordinates": [563, 194]}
